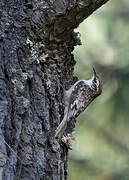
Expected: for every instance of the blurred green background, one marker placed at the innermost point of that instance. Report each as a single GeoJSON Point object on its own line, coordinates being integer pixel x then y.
{"type": "Point", "coordinates": [101, 149]}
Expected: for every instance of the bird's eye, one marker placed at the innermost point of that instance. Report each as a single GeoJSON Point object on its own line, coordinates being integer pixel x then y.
{"type": "Point", "coordinates": [95, 80]}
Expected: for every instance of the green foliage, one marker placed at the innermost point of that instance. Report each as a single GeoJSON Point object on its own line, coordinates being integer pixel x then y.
{"type": "Point", "coordinates": [101, 149]}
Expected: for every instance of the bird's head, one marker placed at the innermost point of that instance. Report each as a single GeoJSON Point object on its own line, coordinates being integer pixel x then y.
{"type": "Point", "coordinates": [95, 84]}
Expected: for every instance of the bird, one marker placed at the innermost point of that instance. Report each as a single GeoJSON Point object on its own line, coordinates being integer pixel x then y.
{"type": "Point", "coordinates": [77, 98]}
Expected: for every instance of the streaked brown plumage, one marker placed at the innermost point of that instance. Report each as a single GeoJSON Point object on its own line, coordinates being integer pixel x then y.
{"type": "Point", "coordinates": [77, 98]}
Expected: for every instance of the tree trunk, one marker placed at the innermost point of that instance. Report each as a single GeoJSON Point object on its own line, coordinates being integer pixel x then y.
{"type": "Point", "coordinates": [36, 61]}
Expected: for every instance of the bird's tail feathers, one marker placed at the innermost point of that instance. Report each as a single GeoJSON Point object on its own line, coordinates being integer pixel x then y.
{"type": "Point", "coordinates": [62, 126]}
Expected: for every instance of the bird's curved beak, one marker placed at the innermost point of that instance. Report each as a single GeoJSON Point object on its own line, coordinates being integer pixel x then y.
{"type": "Point", "coordinates": [94, 73]}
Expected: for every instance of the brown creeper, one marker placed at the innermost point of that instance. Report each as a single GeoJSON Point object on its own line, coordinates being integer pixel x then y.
{"type": "Point", "coordinates": [77, 98]}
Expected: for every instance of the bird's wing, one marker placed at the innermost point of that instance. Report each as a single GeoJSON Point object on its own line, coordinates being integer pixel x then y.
{"type": "Point", "coordinates": [78, 99]}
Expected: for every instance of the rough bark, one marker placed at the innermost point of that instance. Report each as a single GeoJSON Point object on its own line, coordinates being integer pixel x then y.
{"type": "Point", "coordinates": [36, 44]}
